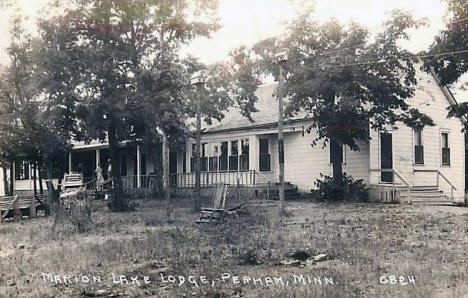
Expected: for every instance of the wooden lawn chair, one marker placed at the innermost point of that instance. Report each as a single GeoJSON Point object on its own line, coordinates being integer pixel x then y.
{"type": "Point", "coordinates": [215, 213]}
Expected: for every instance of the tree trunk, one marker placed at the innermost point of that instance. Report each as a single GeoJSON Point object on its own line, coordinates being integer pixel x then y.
{"type": "Point", "coordinates": [39, 170]}
{"type": "Point", "coordinates": [197, 197]}
{"type": "Point", "coordinates": [157, 164]}
{"type": "Point", "coordinates": [34, 168]}
{"type": "Point", "coordinates": [118, 202]}
{"type": "Point", "coordinates": [60, 177]}
{"type": "Point", "coordinates": [6, 186]}
{"type": "Point", "coordinates": [337, 159]}
{"type": "Point", "coordinates": [12, 177]}
{"type": "Point", "coordinates": [167, 190]}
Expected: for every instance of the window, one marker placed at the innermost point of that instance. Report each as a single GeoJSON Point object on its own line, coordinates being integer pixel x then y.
{"type": "Point", "coordinates": [194, 150]}
{"type": "Point", "coordinates": [445, 149]}
{"type": "Point", "coordinates": [184, 163]}
{"type": "Point", "coordinates": [418, 147]}
{"type": "Point", "coordinates": [343, 155]}
{"type": "Point", "coordinates": [192, 158]}
{"type": "Point", "coordinates": [223, 158]}
{"type": "Point", "coordinates": [244, 162]}
{"type": "Point", "coordinates": [213, 166]}
{"type": "Point", "coordinates": [203, 158]}
{"type": "Point", "coordinates": [264, 155]}
{"type": "Point", "coordinates": [234, 157]}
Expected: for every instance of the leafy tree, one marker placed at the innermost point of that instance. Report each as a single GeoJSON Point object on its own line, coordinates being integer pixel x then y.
{"type": "Point", "coordinates": [449, 68]}
{"type": "Point", "coordinates": [345, 82]}
{"type": "Point", "coordinates": [114, 67]}
{"type": "Point", "coordinates": [30, 134]}
{"type": "Point", "coordinates": [453, 38]}
{"type": "Point", "coordinates": [22, 132]}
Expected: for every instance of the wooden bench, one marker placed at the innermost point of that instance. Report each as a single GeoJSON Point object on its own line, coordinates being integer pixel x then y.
{"type": "Point", "coordinates": [17, 206]}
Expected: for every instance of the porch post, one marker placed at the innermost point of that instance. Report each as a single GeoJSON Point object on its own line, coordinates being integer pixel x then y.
{"type": "Point", "coordinates": [138, 165]}
{"type": "Point", "coordinates": [69, 162]}
{"type": "Point", "coordinates": [253, 153]}
{"type": "Point", "coordinates": [98, 157]}
{"type": "Point", "coordinates": [13, 177]}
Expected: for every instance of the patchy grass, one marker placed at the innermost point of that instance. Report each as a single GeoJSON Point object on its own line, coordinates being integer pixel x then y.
{"type": "Point", "coordinates": [362, 243]}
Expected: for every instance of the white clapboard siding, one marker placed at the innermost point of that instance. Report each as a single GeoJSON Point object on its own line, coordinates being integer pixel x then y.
{"type": "Point", "coordinates": [429, 99]}
{"type": "Point", "coordinates": [304, 163]}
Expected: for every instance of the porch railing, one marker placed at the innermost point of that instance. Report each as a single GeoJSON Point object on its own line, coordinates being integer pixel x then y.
{"type": "Point", "coordinates": [265, 180]}
{"type": "Point", "coordinates": [212, 178]}
{"type": "Point", "coordinates": [186, 180]}
{"type": "Point", "coordinates": [440, 174]}
{"type": "Point", "coordinates": [398, 175]}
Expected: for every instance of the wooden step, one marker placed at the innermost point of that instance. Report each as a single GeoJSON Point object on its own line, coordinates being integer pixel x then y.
{"type": "Point", "coordinates": [433, 203]}
{"type": "Point", "coordinates": [424, 187]}
{"type": "Point", "coordinates": [424, 195]}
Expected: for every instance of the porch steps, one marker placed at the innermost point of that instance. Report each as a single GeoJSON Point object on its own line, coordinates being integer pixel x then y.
{"type": "Point", "coordinates": [427, 195]}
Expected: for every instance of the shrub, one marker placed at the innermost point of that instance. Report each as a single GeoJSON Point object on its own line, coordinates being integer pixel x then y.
{"type": "Point", "coordinates": [346, 190]}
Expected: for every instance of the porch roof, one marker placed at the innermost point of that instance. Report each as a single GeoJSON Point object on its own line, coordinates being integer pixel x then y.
{"type": "Point", "coordinates": [95, 144]}
{"type": "Point", "coordinates": [267, 114]}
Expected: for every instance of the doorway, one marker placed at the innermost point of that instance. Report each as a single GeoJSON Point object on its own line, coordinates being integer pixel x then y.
{"type": "Point", "coordinates": [386, 157]}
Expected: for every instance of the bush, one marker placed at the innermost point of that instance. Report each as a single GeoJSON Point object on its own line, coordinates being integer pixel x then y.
{"type": "Point", "coordinates": [346, 190]}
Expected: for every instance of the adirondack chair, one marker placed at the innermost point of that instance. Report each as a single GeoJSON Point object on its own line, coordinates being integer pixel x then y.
{"type": "Point", "coordinates": [215, 213]}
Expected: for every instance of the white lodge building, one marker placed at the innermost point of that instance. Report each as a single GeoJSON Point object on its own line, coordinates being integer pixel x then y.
{"type": "Point", "coordinates": [236, 150]}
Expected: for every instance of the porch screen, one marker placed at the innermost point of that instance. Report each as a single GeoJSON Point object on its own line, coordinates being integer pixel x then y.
{"type": "Point", "coordinates": [445, 149]}
{"type": "Point", "coordinates": [264, 155]}
{"type": "Point", "coordinates": [244, 162]}
{"type": "Point", "coordinates": [234, 157]}
{"type": "Point", "coordinates": [418, 147]}
{"type": "Point", "coordinates": [192, 159]}
{"type": "Point", "coordinates": [22, 170]}
{"type": "Point", "coordinates": [203, 158]}
{"type": "Point", "coordinates": [223, 158]}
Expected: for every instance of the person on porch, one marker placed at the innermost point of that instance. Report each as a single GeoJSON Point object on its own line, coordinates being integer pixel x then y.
{"type": "Point", "coordinates": [109, 169]}
{"type": "Point", "coordinates": [99, 177]}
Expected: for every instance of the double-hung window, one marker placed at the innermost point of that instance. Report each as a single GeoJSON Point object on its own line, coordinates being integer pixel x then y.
{"type": "Point", "coordinates": [445, 148]}
{"type": "Point", "coordinates": [418, 146]}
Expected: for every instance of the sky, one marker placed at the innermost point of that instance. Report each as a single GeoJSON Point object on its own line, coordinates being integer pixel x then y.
{"type": "Point", "coordinates": [244, 22]}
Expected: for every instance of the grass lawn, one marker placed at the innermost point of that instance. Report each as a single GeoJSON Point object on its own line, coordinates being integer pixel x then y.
{"type": "Point", "coordinates": [248, 256]}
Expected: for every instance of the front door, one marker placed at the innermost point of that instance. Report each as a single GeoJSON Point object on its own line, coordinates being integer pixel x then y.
{"type": "Point", "coordinates": [386, 157]}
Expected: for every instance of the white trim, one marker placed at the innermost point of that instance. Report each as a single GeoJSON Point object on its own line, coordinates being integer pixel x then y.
{"type": "Point", "coordinates": [442, 131]}
{"type": "Point", "coordinates": [414, 151]}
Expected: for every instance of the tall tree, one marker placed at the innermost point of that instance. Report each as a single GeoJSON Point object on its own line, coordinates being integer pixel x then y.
{"type": "Point", "coordinates": [30, 135]}
{"type": "Point", "coordinates": [22, 133]}
{"type": "Point", "coordinates": [344, 81]}
{"type": "Point", "coordinates": [117, 68]}
{"type": "Point", "coordinates": [453, 38]}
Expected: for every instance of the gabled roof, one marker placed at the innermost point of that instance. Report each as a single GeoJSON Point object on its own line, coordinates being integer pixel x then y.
{"type": "Point", "coordinates": [267, 106]}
